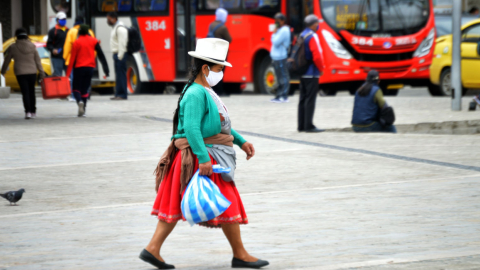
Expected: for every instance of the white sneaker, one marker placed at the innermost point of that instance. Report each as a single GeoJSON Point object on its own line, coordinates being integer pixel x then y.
{"type": "Point", "coordinates": [81, 109]}
{"type": "Point", "coordinates": [28, 115]}
{"type": "Point", "coordinates": [285, 100]}
{"type": "Point", "coordinates": [275, 100]}
{"type": "Point", "coordinates": [34, 115]}
{"type": "Point", "coordinates": [69, 98]}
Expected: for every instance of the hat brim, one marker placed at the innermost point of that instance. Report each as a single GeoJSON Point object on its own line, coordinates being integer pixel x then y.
{"type": "Point", "coordinates": [196, 55]}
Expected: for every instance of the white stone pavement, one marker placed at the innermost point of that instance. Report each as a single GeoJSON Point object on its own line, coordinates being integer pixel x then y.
{"type": "Point", "coordinates": [311, 204]}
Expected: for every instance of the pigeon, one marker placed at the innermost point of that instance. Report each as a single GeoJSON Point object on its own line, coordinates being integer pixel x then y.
{"type": "Point", "coordinates": [13, 196]}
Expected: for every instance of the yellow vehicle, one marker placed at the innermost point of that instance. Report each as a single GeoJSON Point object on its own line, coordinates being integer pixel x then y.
{"type": "Point", "coordinates": [440, 70]}
{"type": "Point", "coordinates": [40, 43]}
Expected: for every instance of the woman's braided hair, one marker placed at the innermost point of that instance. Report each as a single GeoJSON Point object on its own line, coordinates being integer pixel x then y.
{"type": "Point", "coordinates": [195, 69]}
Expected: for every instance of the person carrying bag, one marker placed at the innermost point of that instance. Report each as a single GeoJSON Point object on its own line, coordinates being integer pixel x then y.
{"type": "Point", "coordinates": [202, 138]}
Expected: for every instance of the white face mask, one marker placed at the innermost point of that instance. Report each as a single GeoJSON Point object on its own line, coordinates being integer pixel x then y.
{"type": "Point", "coordinates": [214, 77]}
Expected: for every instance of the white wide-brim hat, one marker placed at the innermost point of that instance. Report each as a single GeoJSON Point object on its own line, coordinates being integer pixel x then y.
{"type": "Point", "coordinates": [213, 50]}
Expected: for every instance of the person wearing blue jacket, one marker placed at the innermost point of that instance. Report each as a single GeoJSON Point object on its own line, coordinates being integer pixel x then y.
{"type": "Point", "coordinates": [368, 103]}
{"type": "Point", "coordinates": [279, 54]}
{"type": "Point", "coordinates": [309, 81]}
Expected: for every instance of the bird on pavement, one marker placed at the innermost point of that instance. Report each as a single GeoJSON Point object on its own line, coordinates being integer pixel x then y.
{"type": "Point", "coordinates": [13, 196]}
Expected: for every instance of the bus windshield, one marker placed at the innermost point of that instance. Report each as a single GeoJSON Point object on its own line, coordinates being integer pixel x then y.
{"type": "Point", "coordinates": [376, 17]}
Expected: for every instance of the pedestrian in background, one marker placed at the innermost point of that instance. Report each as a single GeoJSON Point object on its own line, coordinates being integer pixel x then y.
{"type": "Point", "coordinates": [474, 11]}
{"type": "Point", "coordinates": [118, 46]}
{"type": "Point", "coordinates": [72, 35]}
{"type": "Point", "coordinates": [368, 103]}
{"type": "Point", "coordinates": [82, 61]}
{"type": "Point", "coordinates": [217, 29]}
{"type": "Point", "coordinates": [279, 53]}
{"type": "Point", "coordinates": [27, 63]}
{"type": "Point", "coordinates": [56, 40]}
{"type": "Point", "coordinates": [309, 80]}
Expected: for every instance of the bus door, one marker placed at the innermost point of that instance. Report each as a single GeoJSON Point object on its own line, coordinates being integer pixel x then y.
{"type": "Point", "coordinates": [185, 36]}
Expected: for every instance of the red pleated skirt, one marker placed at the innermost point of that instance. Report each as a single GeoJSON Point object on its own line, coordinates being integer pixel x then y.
{"type": "Point", "coordinates": [167, 204]}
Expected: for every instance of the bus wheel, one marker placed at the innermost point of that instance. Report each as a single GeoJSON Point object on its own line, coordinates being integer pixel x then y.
{"type": "Point", "coordinates": [265, 79]}
{"type": "Point", "coordinates": [134, 85]}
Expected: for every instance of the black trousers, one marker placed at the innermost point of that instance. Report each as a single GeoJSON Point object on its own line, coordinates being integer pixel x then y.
{"type": "Point", "coordinates": [27, 86]}
{"type": "Point", "coordinates": [82, 79]}
{"type": "Point", "coordinates": [306, 105]}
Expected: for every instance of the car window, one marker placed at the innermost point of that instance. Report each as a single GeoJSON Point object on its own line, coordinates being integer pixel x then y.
{"type": "Point", "coordinates": [471, 34]}
{"type": "Point", "coordinates": [43, 52]}
{"type": "Point", "coordinates": [443, 24]}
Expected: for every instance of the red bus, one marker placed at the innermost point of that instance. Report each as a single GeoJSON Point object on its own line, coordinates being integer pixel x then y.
{"type": "Point", "coordinates": [395, 37]}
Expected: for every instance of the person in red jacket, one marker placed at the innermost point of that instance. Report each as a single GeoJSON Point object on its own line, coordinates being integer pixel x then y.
{"type": "Point", "coordinates": [82, 61]}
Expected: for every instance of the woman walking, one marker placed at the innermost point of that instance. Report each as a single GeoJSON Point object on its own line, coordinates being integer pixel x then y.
{"type": "Point", "coordinates": [27, 62]}
{"type": "Point", "coordinates": [202, 137]}
{"type": "Point", "coordinates": [82, 62]}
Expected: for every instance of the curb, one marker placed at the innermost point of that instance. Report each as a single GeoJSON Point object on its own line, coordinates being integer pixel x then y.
{"type": "Point", "coordinates": [464, 127]}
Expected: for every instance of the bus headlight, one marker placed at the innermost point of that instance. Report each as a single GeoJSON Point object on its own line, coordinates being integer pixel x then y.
{"type": "Point", "coordinates": [336, 46]}
{"type": "Point", "coordinates": [426, 45]}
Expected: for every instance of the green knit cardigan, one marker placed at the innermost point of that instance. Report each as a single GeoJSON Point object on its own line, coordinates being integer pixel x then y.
{"type": "Point", "coordinates": [199, 118]}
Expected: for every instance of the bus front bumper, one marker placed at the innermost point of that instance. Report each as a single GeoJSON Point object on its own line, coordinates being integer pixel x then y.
{"type": "Point", "coordinates": [398, 72]}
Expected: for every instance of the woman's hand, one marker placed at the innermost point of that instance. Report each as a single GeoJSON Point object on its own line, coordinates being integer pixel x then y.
{"type": "Point", "coordinates": [206, 168]}
{"type": "Point", "coordinates": [249, 150]}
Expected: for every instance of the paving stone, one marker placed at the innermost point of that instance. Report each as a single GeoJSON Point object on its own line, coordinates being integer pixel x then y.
{"type": "Point", "coordinates": [313, 200]}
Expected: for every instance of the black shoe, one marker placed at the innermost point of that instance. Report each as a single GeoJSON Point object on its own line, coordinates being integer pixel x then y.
{"type": "Point", "coordinates": [236, 263]}
{"type": "Point", "coordinates": [314, 130]}
{"type": "Point", "coordinates": [149, 258]}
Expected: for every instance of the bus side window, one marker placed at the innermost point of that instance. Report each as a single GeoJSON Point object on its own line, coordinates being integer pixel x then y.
{"type": "Point", "coordinates": [260, 4]}
{"type": "Point", "coordinates": [142, 5]}
{"type": "Point", "coordinates": [158, 5]}
{"type": "Point", "coordinates": [124, 5]}
{"type": "Point", "coordinates": [226, 4]}
{"type": "Point", "coordinates": [107, 5]}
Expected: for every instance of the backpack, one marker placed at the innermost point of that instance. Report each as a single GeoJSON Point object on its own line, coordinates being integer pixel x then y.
{"type": "Point", "coordinates": [386, 116]}
{"type": "Point", "coordinates": [211, 32]}
{"type": "Point", "coordinates": [134, 43]}
{"type": "Point", "coordinates": [298, 63]}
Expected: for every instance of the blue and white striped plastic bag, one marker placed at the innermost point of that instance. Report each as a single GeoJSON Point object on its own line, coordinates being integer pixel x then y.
{"type": "Point", "coordinates": [203, 200]}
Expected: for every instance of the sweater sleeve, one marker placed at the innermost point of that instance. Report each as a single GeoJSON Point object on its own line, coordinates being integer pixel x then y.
{"type": "Point", "coordinates": [238, 139]}
{"type": "Point", "coordinates": [51, 36]}
{"type": "Point", "coordinates": [67, 47]}
{"type": "Point", "coordinates": [280, 37]}
{"type": "Point", "coordinates": [379, 98]}
{"type": "Point", "coordinates": [317, 52]}
{"type": "Point", "coordinates": [194, 110]}
{"type": "Point", "coordinates": [73, 57]}
{"type": "Point", "coordinates": [102, 59]}
{"type": "Point", "coordinates": [6, 62]}
{"type": "Point", "coordinates": [122, 38]}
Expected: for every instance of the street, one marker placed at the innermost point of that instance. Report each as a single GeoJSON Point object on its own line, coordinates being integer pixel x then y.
{"type": "Point", "coordinates": [334, 200]}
